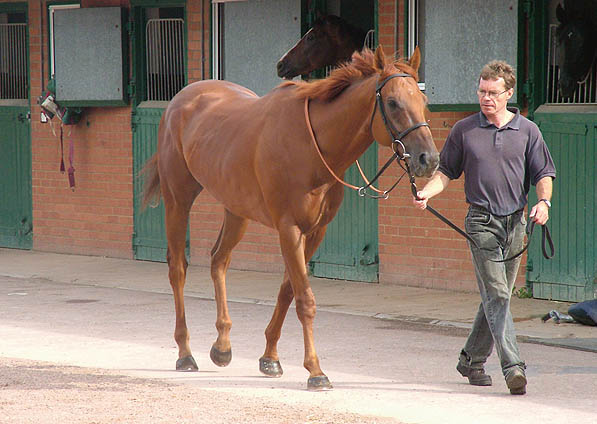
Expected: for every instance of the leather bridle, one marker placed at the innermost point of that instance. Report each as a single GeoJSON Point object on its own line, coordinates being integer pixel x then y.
{"type": "Point", "coordinates": [400, 155]}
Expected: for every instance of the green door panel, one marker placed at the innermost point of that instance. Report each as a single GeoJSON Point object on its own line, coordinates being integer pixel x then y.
{"type": "Point", "coordinates": [16, 220]}
{"type": "Point", "coordinates": [571, 274]}
{"type": "Point", "coordinates": [350, 250]}
{"type": "Point", "coordinates": [149, 237]}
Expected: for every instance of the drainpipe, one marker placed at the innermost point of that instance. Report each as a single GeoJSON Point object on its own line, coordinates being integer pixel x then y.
{"type": "Point", "coordinates": [202, 39]}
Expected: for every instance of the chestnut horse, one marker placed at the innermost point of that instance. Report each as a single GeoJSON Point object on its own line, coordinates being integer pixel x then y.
{"type": "Point", "coordinates": [257, 157]}
{"type": "Point", "coordinates": [329, 42]}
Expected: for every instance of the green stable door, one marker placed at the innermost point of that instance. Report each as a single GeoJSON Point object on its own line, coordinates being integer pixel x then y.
{"type": "Point", "coordinates": [16, 220]}
{"type": "Point", "coordinates": [350, 249]}
{"type": "Point", "coordinates": [16, 211]}
{"type": "Point", "coordinates": [158, 40]}
{"type": "Point", "coordinates": [571, 275]}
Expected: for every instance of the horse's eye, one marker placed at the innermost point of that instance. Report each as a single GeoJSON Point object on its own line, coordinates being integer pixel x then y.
{"type": "Point", "coordinates": [392, 104]}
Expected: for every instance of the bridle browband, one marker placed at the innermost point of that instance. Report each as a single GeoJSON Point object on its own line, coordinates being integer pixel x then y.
{"type": "Point", "coordinates": [396, 141]}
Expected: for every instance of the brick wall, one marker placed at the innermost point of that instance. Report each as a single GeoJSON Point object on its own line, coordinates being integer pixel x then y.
{"type": "Point", "coordinates": [97, 217]}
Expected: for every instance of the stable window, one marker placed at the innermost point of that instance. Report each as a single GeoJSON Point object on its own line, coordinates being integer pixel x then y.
{"type": "Point", "coordinates": [456, 42]}
{"type": "Point", "coordinates": [585, 91]}
{"type": "Point", "coordinates": [165, 67]}
{"type": "Point", "coordinates": [13, 56]}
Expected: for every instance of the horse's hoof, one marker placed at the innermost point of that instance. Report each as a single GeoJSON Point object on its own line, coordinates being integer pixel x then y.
{"type": "Point", "coordinates": [270, 367]}
{"type": "Point", "coordinates": [186, 364]}
{"type": "Point", "coordinates": [221, 359]}
{"type": "Point", "coordinates": [319, 383]}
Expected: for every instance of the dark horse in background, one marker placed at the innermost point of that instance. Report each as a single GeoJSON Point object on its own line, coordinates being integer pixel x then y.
{"type": "Point", "coordinates": [329, 42]}
{"type": "Point", "coordinates": [576, 42]}
{"type": "Point", "coordinates": [260, 158]}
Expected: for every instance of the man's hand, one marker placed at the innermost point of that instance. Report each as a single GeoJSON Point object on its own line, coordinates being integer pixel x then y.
{"type": "Point", "coordinates": [540, 213]}
{"type": "Point", "coordinates": [422, 202]}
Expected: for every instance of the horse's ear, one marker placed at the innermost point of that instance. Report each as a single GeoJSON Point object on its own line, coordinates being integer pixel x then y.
{"type": "Point", "coordinates": [415, 59]}
{"type": "Point", "coordinates": [380, 57]}
{"type": "Point", "coordinates": [561, 14]}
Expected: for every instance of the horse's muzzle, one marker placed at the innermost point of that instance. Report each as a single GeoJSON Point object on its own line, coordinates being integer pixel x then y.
{"type": "Point", "coordinates": [285, 70]}
{"type": "Point", "coordinates": [424, 164]}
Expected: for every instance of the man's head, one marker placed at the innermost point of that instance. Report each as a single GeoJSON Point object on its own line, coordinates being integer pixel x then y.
{"type": "Point", "coordinates": [496, 87]}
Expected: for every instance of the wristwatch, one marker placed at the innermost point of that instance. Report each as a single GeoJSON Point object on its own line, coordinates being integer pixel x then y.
{"type": "Point", "coordinates": [547, 202]}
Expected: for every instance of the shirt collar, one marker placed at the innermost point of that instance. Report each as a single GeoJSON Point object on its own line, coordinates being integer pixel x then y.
{"type": "Point", "coordinates": [514, 124]}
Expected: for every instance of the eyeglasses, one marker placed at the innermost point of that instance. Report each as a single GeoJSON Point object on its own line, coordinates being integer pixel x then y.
{"type": "Point", "coordinates": [492, 94]}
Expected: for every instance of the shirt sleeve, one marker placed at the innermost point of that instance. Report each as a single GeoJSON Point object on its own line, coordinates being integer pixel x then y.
{"type": "Point", "coordinates": [539, 161]}
{"type": "Point", "coordinates": [451, 162]}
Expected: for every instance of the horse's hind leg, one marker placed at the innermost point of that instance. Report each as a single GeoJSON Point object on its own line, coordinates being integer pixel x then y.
{"type": "Point", "coordinates": [269, 363]}
{"type": "Point", "coordinates": [179, 190]}
{"type": "Point", "coordinates": [232, 231]}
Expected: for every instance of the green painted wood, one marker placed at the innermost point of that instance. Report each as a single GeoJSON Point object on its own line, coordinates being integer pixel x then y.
{"type": "Point", "coordinates": [571, 275]}
{"type": "Point", "coordinates": [16, 210]}
{"type": "Point", "coordinates": [149, 237]}
{"type": "Point", "coordinates": [350, 249]}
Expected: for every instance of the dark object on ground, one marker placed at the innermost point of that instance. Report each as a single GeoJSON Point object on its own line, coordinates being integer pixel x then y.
{"type": "Point", "coordinates": [585, 312]}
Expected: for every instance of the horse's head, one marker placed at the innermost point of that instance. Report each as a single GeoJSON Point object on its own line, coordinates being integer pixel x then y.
{"type": "Point", "coordinates": [576, 46]}
{"type": "Point", "coordinates": [330, 41]}
{"type": "Point", "coordinates": [404, 106]}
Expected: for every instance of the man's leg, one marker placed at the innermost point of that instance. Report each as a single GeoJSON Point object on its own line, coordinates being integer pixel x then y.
{"type": "Point", "coordinates": [495, 282]}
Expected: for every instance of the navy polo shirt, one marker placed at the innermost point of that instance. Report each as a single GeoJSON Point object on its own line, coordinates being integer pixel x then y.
{"type": "Point", "coordinates": [499, 164]}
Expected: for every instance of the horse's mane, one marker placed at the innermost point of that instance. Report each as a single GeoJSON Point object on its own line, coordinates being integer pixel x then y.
{"type": "Point", "coordinates": [362, 65]}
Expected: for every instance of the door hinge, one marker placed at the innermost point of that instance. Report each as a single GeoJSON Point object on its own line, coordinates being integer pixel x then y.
{"type": "Point", "coordinates": [131, 89]}
{"type": "Point", "coordinates": [130, 27]}
{"type": "Point", "coordinates": [527, 89]}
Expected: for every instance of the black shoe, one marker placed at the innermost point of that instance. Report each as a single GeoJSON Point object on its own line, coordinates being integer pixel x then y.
{"type": "Point", "coordinates": [476, 376]}
{"type": "Point", "coordinates": [516, 381]}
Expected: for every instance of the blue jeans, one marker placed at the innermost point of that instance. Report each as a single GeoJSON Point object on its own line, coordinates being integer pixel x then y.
{"type": "Point", "coordinates": [497, 237]}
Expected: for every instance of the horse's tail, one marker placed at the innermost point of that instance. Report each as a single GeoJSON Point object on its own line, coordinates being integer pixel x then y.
{"type": "Point", "coordinates": [151, 187]}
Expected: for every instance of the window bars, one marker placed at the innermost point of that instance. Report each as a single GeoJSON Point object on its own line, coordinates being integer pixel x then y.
{"type": "Point", "coordinates": [13, 61]}
{"type": "Point", "coordinates": [585, 92]}
{"type": "Point", "coordinates": [165, 58]}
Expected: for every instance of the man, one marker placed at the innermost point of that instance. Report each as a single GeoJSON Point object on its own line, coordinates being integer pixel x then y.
{"type": "Point", "coordinates": [501, 153]}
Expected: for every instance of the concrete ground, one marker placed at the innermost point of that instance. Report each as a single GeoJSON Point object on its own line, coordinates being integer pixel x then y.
{"type": "Point", "coordinates": [383, 301]}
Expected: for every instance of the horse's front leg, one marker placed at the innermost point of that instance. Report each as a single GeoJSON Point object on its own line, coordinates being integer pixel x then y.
{"type": "Point", "coordinates": [292, 243]}
{"type": "Point", "coordinates": [269, 363]}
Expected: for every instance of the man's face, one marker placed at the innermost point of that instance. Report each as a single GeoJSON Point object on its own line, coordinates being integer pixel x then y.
{"type": "Point", "coordinates": [493, 96]}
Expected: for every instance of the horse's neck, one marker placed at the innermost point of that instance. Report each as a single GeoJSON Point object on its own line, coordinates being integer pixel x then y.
{"type": "Point", "coordinates": [343, 125]}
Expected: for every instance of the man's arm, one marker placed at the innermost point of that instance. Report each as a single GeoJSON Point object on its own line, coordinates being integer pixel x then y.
{"type": "Point", "coordinates": [540, 212]}
{"type": "Point", "coordinates": [434, 186]}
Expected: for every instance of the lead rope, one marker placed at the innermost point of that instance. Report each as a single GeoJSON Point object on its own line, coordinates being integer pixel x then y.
{"type": "Point", "coordinates": [545, 234]}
